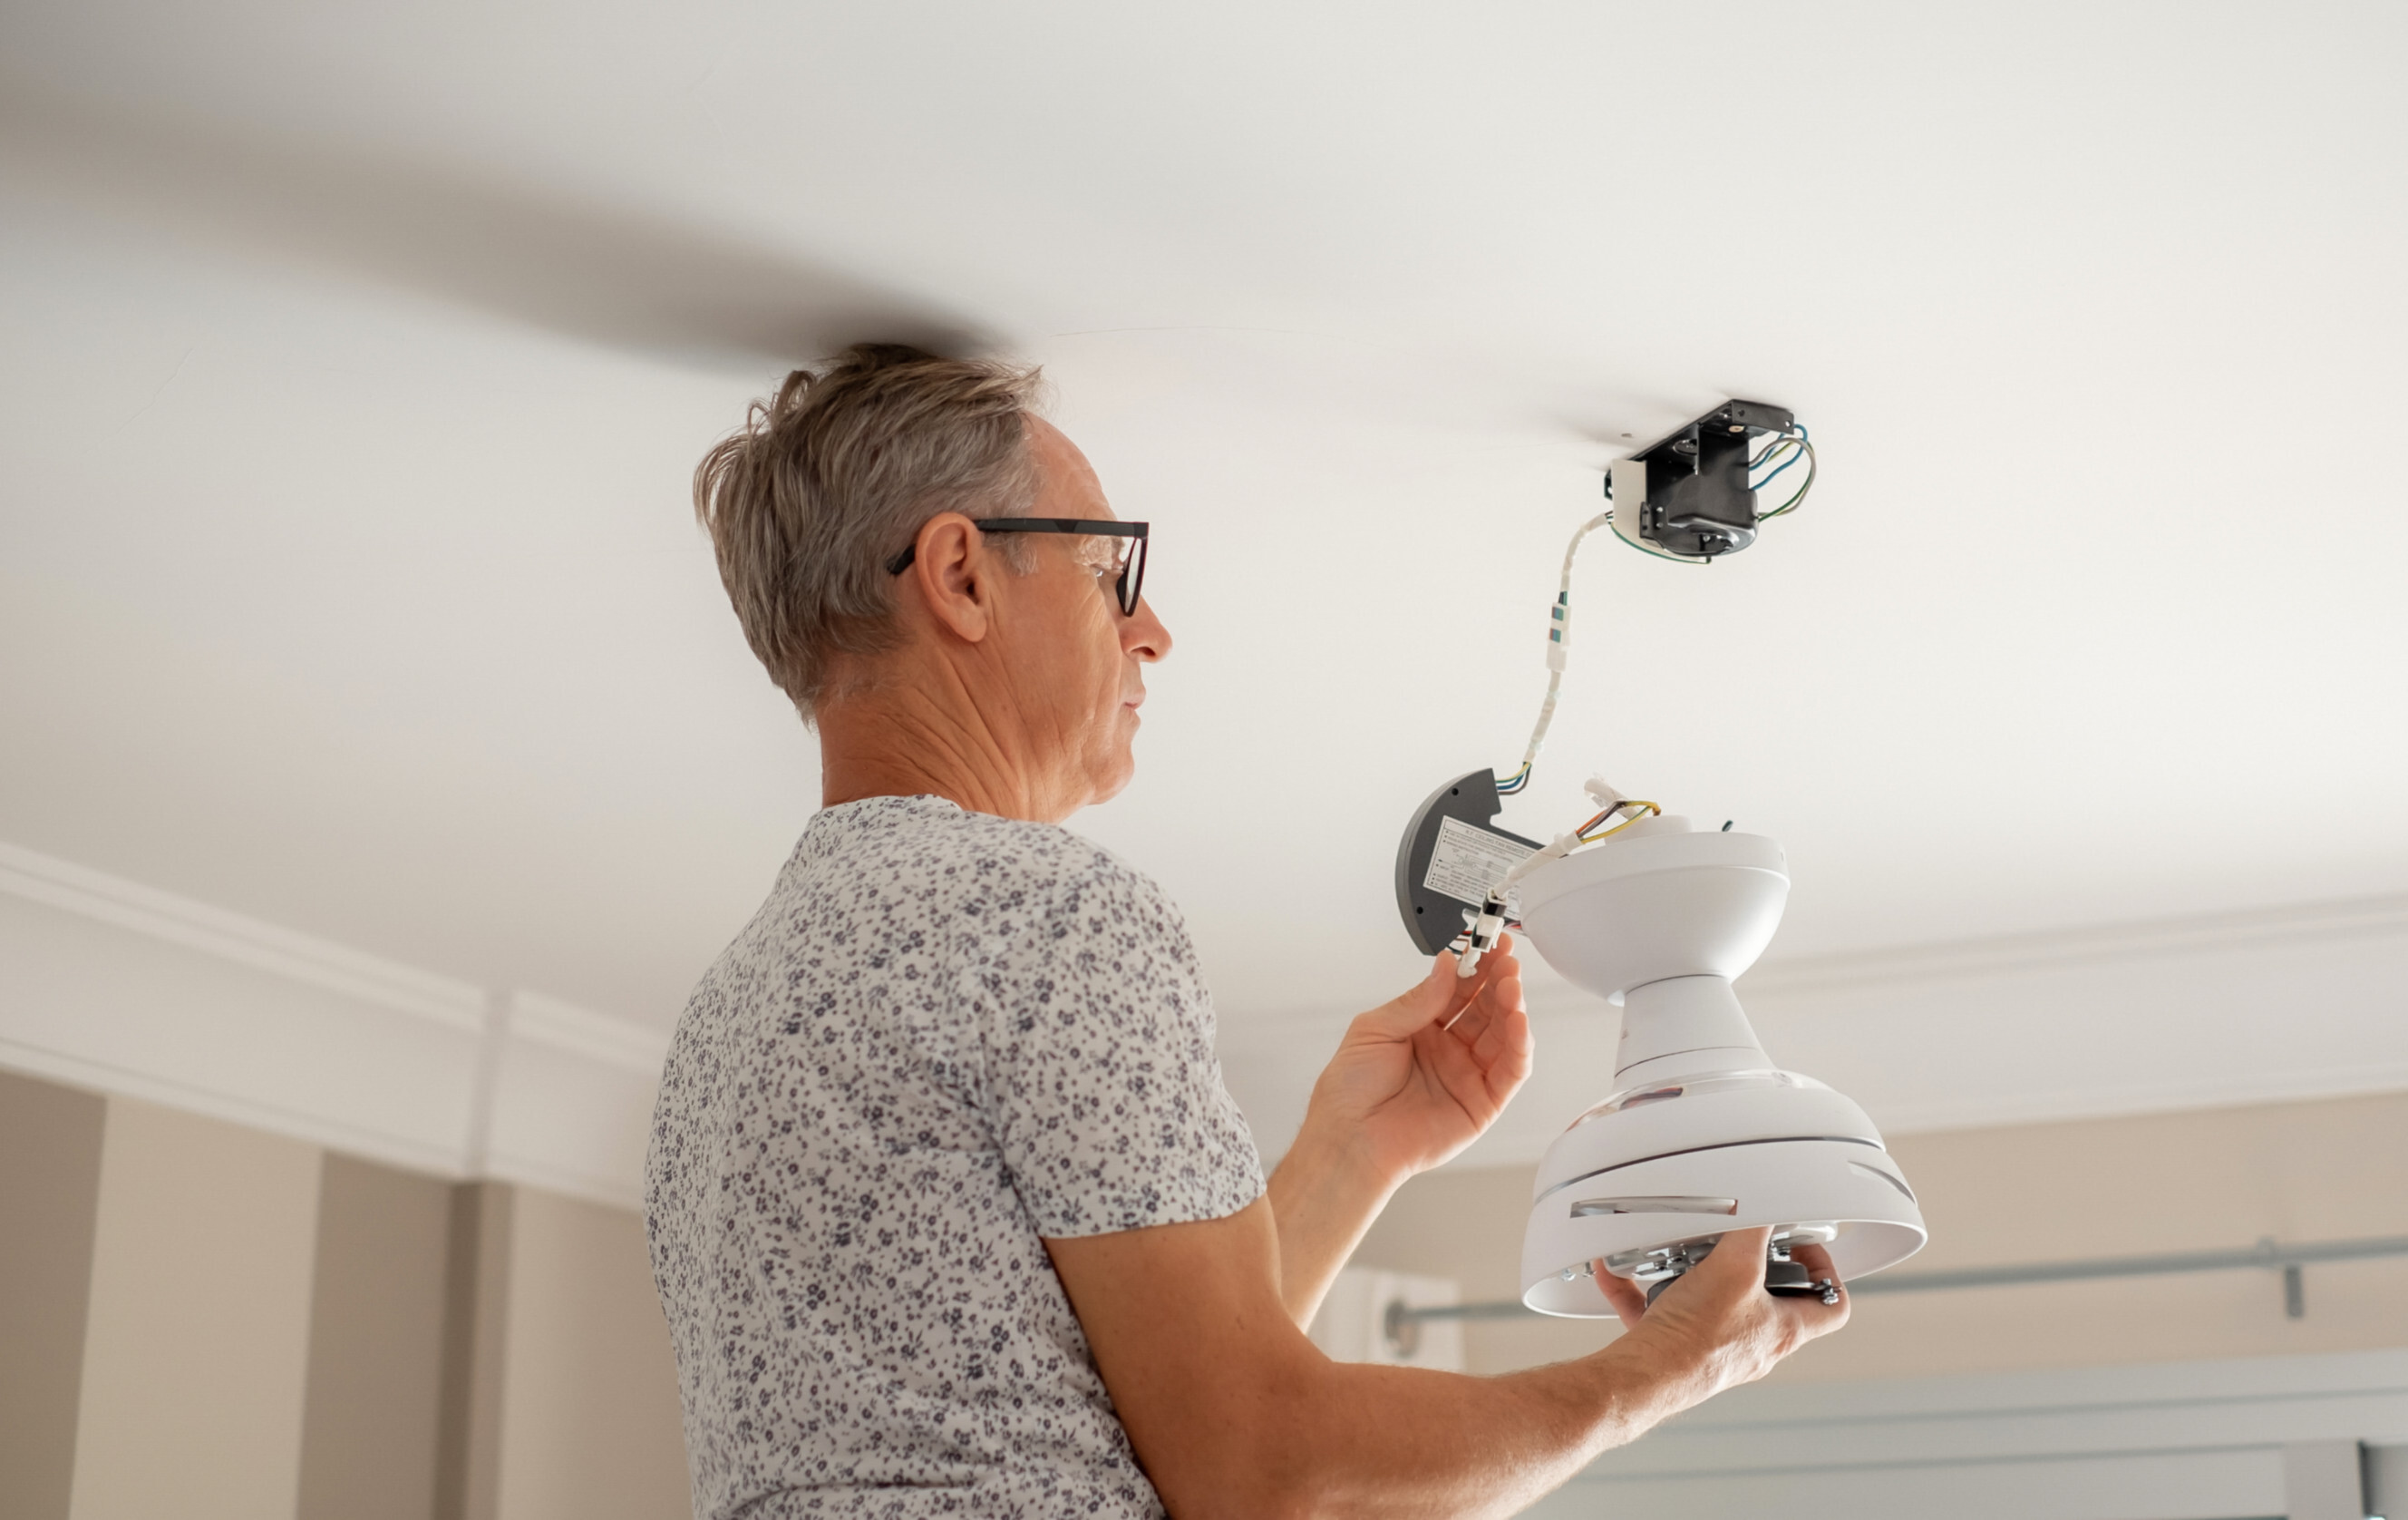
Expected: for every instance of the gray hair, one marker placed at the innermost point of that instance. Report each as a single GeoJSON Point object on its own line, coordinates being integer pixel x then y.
{"type": "Point", "coordinates": [833, 477]}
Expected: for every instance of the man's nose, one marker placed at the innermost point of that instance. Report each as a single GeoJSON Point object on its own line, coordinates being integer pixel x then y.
{"type": "Point", "coordinates": [1142, 635]}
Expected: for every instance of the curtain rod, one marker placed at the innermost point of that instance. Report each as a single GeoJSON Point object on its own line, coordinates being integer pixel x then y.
{"type": "Point", "coordinates": [2267, 1255]}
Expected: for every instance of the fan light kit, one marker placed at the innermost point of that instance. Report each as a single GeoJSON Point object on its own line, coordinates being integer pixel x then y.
{"type": "Point", "coordinates": [1701, 1134]}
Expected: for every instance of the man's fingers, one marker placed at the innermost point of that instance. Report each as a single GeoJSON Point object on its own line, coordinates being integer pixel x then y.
{"type": "Point", "coordinates": [1816, 1260]}
{"type": "Point", "coordinates": [1499, 992]}
{"type": "Point", "coordinates": [1629, 1300]}
{"type": "Point", "coordinates": [1808, 1312]}
{"type": "Point", "coordinates": [1493, 1030]}
{"type": "Point", "coordinates": [1427, 1001]}
{"type": "Point", "coordinates": [1466, 997]}
{"type": "Point", "coordinates": [1467, 1023]}
{"type": "Point", "coordinates": [1737, 1254]}
{"type": "Point", "coordinates": [1503, 1019]}
{"type": "Point", "coordinates": [1509, 1069]}
{"type": "Point", "coordinates": [1504, 1052]}
{"type": "Point", "coordinates": [1819, 1268]}
{"type": "Point", "coordinates": [1448, 1063]}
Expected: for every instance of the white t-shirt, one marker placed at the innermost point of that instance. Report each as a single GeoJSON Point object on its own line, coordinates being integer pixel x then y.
{"type": "Point", "coordinates": [944, 1036]}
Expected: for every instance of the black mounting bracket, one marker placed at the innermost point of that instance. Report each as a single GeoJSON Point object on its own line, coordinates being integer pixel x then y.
{"type": "Point", "coordinates": [1696, 503]}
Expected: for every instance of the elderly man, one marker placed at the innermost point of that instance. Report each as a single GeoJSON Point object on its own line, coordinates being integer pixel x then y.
{"type": "Point", "coordinates": [950, 1210]}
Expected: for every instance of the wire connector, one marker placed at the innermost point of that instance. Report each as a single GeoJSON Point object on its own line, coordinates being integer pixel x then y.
{"type": "Point", "coordinates": [1485, 932]}
{"type": "Point", "coordinates": [1559, 643]}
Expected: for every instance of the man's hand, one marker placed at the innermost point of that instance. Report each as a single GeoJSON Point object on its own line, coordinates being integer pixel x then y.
{"type": "Point", "coordinates": [1420, 1077]}
{"type": "Point", "coordinates": [1717, 1320]}
{"type": "Point", "coordinates": [1232, 1411]}
{"type": "Point", "coordinates": [1415, 1081]}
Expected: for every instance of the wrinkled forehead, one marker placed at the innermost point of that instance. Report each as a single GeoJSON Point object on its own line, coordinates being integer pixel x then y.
{"type": "Point", "coordinates": [1069, 487]}
{"type": "Point", "coordinates": [1067, 483]}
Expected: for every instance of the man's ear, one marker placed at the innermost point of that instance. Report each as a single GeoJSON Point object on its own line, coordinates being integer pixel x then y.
{"type": "Point", "coordinates": [955, 573]}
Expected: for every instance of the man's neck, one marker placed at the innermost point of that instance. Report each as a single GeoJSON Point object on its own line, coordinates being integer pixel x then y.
{"type": "Point", "coordinates": [914, 737]}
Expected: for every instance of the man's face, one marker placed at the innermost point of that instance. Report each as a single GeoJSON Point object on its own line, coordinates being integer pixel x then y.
{"type": "Point", "coordinates": [1076, 660]}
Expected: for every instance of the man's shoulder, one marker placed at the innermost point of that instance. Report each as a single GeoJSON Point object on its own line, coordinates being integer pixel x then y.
{"type": "Point", "coordinates": [931, 845]}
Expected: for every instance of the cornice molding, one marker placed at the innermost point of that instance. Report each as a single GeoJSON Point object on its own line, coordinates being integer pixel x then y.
{"type": "Point", "coordinates": [2009, 955]}
{"type": "Point", "coordinates": [355, 1052]}
{"type": "Point", "coordinates": [315, 1129]}
{"type": "Point", "coordinates": [527, 1087]}
{"type": "Point", "coordinates": [580, 1031]}
{"type": "Point", "coordinates": [2158, 1016]}
{"type": "Point", "coordinates": [245, 941]}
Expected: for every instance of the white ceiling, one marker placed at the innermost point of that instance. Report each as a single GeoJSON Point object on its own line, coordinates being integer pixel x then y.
{"type": "Point", "coordinates": [356, 360]}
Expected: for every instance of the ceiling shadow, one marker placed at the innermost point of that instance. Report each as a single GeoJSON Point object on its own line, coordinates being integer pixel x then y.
{"type": "Point", "coordinates": [599, 273]}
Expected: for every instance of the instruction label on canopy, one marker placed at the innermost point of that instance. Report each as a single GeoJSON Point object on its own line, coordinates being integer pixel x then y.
{"type": "Point", "coordinates": [1469, 861]}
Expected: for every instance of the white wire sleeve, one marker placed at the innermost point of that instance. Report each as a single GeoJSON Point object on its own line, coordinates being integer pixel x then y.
{"type": "Point", "coordinates": [1559, 643]}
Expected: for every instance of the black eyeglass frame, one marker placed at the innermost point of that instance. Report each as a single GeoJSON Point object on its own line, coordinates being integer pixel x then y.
{"type": "Point", "coordinates": [1132, 577]}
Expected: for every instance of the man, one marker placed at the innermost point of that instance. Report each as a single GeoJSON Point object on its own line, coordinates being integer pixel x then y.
{"type": "Point", "coordinates": [950, 1210]}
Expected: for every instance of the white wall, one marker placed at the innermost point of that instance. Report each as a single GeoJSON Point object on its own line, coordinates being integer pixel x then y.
{"type": "Point", "coordinates": [2200, 1441]}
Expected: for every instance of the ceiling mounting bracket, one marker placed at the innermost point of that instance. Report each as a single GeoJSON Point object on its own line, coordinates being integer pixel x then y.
{"type": "Point", "coordinates": [1687, 494]}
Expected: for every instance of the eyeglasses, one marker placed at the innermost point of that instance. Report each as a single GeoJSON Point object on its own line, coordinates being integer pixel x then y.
{"type": "Point", "coordinates": [1128, 547]}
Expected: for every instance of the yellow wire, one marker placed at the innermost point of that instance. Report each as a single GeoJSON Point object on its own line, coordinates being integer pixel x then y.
{"type": "Point", "coordinates": [1626, 802]}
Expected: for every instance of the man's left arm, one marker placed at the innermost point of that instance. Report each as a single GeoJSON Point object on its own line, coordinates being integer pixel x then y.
{"type": "Point", "coordinates": [1415, 1081]}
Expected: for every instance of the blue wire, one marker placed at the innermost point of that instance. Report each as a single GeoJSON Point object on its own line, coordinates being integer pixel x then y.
{"type": "Point", "coordinates": [1803, 438]}
{"type": "Point", "coordinates": [1776, 474]}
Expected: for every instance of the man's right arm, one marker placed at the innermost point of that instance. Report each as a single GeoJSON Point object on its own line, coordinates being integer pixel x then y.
{"type": "Point", "coordinates": [1233, 1411]}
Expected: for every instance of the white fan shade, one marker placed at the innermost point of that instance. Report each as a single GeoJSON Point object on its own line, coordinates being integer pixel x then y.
{"type": "Point", "coordinates": [1701, 1135]}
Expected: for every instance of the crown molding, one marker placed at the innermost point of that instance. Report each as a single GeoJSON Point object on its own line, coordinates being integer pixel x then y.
{"type": "Point", "coordinates": [313, 1127]}
{"type": "Point", "coordinates": [245, 941]}
{"type": "Point", "coordinates": [2009, 955]}
{"type": "Point", "coordinates": [2171, 1015]}
{"type": "Point", "coordinates": [2137, 1099]}
{"type": "Point", "coordinates": [2003, 958]}
{"type": "Point", "coordinates": [379, 1058]}
{"type": "Point", "coordinates": [580, 1031]}
{"type": "Point", "coordinates": [177, 1002]}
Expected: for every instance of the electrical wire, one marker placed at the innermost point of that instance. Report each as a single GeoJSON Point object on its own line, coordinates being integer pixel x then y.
{"type": "Point", "coordinates": [1788, 448]}
{"type": "Point", "coordinates": [1559, 634]}
{"type": "Point", "coordinates": [1803, 486]}
{"type": "Point", "coordinates": [1583, 835]}
{"type": "Point", "coordinates": [1794, 454]}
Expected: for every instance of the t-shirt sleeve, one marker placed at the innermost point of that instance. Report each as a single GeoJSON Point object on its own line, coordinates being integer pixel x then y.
{"type": "Point", "coordinates": [1105, 1092]}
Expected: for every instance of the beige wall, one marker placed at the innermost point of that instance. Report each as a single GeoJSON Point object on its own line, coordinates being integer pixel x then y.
{"type": "Point", "coordinates": [201, 1321]}
{"type": "Point", "coordinates": [50, 1190]}
{"type": "Point", "coordinates": [198, 1334]}
{"type": "Point", "coordinates": [590, 1402]}
{"type": "Point", "coordinates": [374, 1386]}
{"type": "Point", "coordinates": [477, 1295]}
{"type": "Point", "coordinates": [2211, 1180]}
{"type": "Point", "coordinates": [2208, 1179]}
